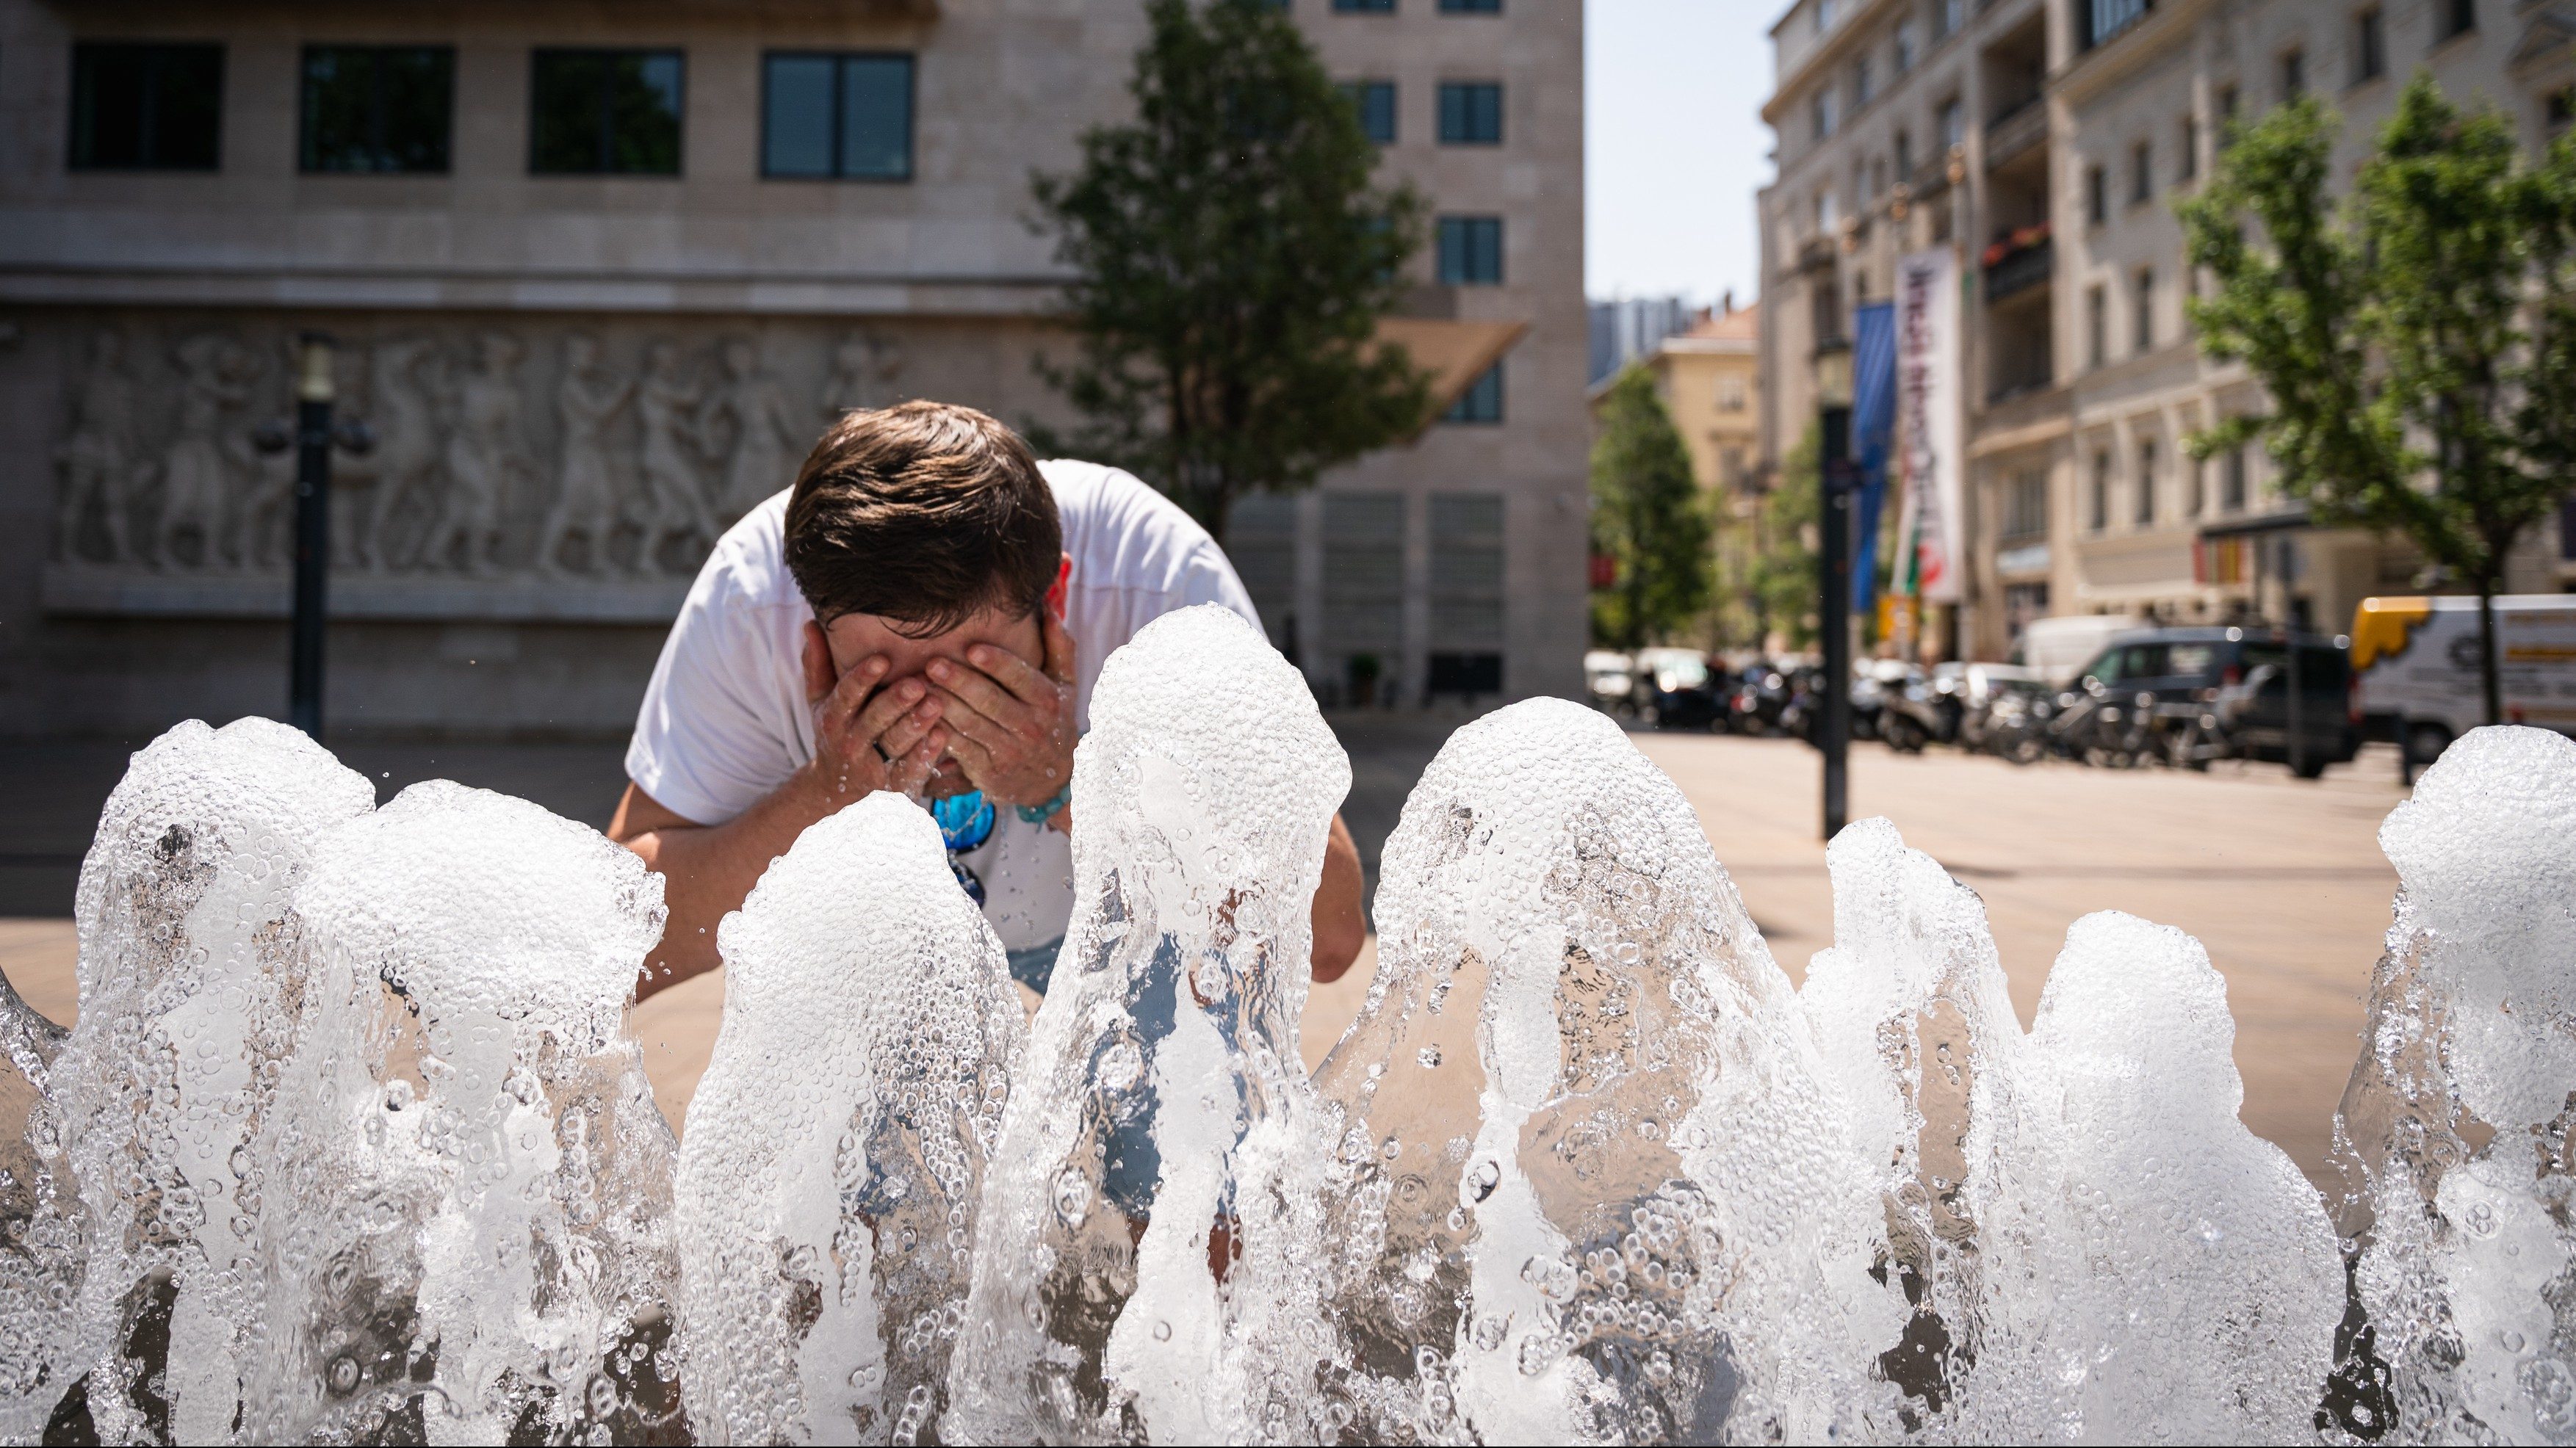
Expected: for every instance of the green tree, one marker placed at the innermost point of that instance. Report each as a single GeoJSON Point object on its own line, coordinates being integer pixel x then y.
{"type": "Point", "coordinates": [1648, 516]}
{"type": "Point", "coordinates": [1232, 256]}
{"type": "Point", "coordinates": [1784, 568]}
{"type": "Point", "coordinates": [2417, 339]}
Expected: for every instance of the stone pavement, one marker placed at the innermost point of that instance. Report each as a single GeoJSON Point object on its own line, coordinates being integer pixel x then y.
{"type": "Point", "coordinates": [2281, 880]}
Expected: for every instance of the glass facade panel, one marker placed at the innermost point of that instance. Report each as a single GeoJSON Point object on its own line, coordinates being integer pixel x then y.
{"type": "Point", "coordinates": [147, 107]}
{"type": "Point", "coordinates": [603, 112]}
{"type": "Point", "coordinates": [378, 108]}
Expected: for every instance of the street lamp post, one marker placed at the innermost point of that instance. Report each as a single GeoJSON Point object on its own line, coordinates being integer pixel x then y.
{"type": "Point", "coordinates": [1833, 363]}
{"type": "Point", "coordinates": [312, 437]}
{"type": "Point", "coordinates": [313, 398]}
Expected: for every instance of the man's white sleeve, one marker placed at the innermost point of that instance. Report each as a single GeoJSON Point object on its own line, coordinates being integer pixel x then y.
{"type": "Point", "coordinates": [706, 746]}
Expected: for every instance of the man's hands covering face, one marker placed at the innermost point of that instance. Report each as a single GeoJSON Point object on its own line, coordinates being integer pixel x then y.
{"type": "Point", "coordinates": [1009, 723]}
{"type": "Point", "coordinates": [866, 738]}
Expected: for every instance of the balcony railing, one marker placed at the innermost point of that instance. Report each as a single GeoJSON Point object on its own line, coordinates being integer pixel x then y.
{"type": "Point", "coordinates": [2014, 268]}
{"type": "Point", "coordinates": [2013, 134]}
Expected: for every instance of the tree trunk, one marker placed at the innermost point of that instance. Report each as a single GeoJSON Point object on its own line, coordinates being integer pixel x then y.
{"type": "Point", "coordinates": [2488, 672]}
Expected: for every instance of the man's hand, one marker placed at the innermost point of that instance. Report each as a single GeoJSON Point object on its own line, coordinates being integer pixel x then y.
{"type": "Point", "coordinates": [1010, 723]}
{"type": "Point", "coordinates": [866, 738]}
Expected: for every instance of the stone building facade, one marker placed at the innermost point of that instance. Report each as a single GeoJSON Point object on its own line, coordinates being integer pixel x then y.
{"type": "Point", "coordinates": [603, 297]}
{"type": "Point", "coordinates": [2045, 140]}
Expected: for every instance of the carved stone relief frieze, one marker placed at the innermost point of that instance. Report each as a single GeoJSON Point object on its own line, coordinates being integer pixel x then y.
{"type": "Point", "coordinates": [540, 451]}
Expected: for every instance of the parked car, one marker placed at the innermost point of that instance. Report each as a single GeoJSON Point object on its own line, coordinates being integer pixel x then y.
{"type": "Point", "coordinates": [2309, 729]}
{"type": "Point", "coordinates": [2417, 680]}
{"type": "Point", "coordinates": [1761, 697]}
{"type": "Point", "coordinates": [1676, 689]}
{"type": "Point", "coordinates": [2060, 647]}
{"type": "Point", "coordinates": [1607, 678]}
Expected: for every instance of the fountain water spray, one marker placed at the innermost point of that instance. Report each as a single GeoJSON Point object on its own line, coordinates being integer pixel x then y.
{"type": "Point", "coordinates": [349, 1143]}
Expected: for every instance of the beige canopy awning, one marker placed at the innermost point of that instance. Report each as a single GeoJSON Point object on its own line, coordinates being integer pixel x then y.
{"type": "Point", "coordinates": [1454, 353]}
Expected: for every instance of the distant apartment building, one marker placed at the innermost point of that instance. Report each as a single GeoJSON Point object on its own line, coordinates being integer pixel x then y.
{"type": "Point", "coordinates": [1630, 327]}
{"type": "Point", "coordinates": [599, 276]}
{"type": "Point", "coordinates": [1709, 380]}
{"type": "Point", "coordinates": [2043, 141]}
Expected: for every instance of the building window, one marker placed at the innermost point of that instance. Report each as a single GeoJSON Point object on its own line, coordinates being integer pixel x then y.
{"type": "Point", "coordinates": [2226, 103]}
{"type": "Point", "coordinates": [2147, 482]}
{"type": "Point", "coordinates": [1953, 124]}
{"type": "Point", "coordinates": [2026, 505]}
{"type": "Point", "coordinates": [1471, 7]}
{"type": "Point", "coordinates": [1364, 7]}
{"type": "Point", "coordinates": [597, 112]}
{"type": "Point", "coordinates": [147, 107]}
{"type": "Point", "coordinates": [2097, 326]}
{"type": "Point", "coordinates": [2188, 164]}
{"type": "Point", "coordinates": [1374, 100]}
{"type": "Point", "coordinates": [2097, 195]}
{"type": "Point", "coordinates": [1947, 17]}
{"type": "Point", "coordinates": [2146, 315]}
{"type": "Point", "coordinates": [2453, 19]}
{"type": "Point", "coordinates": [2231, 491]}
{"type": "Point", "coordinates": [1471, 250]}
{"type": "Point", "coordinates": [2103, 19]}
{"type": "Point", "coordinates": [2097, 513]}
{"type": "Point", "coordinates": [844, 116]}
{"type": "Point", "coordinates": [2294, 73]}
{"type": "Point", "coordinates": [2196, 501]}
{"type": "Point", "coordinates": [1904, 46]}
{"type": "Point", "coordinates": [1482, 402]}
{"type": "Point", "coordinates": [1861, 83]}
{"type": "Point", "coordinates": [2558, 108]}
{"type": "Point", "coordinates": [2142, 173]}
{"type": "Point", "coordinates": [1827, 12]}
{"type": "Point", "coordinates": [1821, 113]}
{"type": "Point", "coordinates": [1904, 157]}
{"type": "Point", "coordinates": [1734, 393]}
{"type": "Point", "coordinates": [377, 107]}
{"type": "Point", "coordinates": [2369, 45]}
{"type": "Point", "coordinates": [1828, 211]}
{"type": "Point", "coordinates": [1471, 113]}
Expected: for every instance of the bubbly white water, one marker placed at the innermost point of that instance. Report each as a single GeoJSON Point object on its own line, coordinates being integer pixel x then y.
{"type": "Point", "coordinates": [350, 1143]}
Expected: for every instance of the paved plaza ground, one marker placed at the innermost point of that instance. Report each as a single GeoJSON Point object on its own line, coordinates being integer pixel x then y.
{"type": "Point", "coordinates": [2281, 880]}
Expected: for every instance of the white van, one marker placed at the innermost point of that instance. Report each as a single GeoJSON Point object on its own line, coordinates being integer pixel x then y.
{"type": "Point", "coordinates": [2415, 662]}
{"type": "Point", "coordinates": [2060, 647]}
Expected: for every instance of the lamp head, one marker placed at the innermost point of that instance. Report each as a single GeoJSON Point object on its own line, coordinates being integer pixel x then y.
{"type": "Point", "coordinates": [1833, 364]}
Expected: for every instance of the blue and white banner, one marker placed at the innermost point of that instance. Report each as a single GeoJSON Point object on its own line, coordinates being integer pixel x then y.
{"type": "Point", "coordinates": [1928, 457]}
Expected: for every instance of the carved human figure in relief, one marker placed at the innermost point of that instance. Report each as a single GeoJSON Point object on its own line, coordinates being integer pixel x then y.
{"type": "Point", "coordinates": [670, 503]}
{"type": "Point", "coordinates": [864, 367]}
{"type": "Point", "coordinates": [585, 493]}
{"type": "Point", "coordinates": [97, 460]}
{"type": "Point", "coordinates": [406, 451]}
{"type": "Point", "coordinates": [205, 459]}
{"type": "Point", "coordinates": [760, 461]}
{"type": "Point", "coordinates": [485, 448]}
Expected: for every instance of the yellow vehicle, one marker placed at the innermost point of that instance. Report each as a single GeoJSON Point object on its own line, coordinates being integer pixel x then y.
{"type": "Point", "coordinates": [2415, 661]}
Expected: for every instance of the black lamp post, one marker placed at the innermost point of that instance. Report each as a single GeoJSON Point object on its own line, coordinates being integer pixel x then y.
{"type": "Point", "coordinates": [313, 437]}
{"type": "Point", "coordinates": [1833, 362]}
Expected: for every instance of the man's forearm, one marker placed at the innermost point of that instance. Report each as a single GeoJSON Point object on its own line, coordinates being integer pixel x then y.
{"type": "Point", "coordinates": [706, 871]}
{"type": "Point", "coordinates": [1340, 922]}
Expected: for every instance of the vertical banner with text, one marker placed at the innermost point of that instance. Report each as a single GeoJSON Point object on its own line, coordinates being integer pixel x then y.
{"type": "Point", "coordinates": [1930, 529]}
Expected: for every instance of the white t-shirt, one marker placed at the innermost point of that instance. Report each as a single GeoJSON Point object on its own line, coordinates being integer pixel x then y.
{"type": "Point", "coordinates": [725, 722]}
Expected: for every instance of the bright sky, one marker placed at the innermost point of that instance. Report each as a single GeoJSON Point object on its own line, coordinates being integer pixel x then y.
{"type": "Point", "coordinates": [1674, 145]}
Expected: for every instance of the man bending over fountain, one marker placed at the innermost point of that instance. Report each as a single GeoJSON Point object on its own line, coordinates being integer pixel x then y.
{"type": "Point", "coordinates": [925, 610]}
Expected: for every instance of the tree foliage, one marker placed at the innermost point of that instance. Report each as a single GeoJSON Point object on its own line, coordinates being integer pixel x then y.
{"type": "Point", "coordinates": [1784, 570]}
{"type": "Point", "coordinates": [1233, 256]}
{"type": "Point", "coordinates": [1648, 516]}
{"type": "Point", "coordinates": [2417, 339]}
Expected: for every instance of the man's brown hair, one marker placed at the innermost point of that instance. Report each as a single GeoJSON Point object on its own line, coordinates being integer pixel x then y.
{"type": "Point", "coordinates": [924, 513]}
